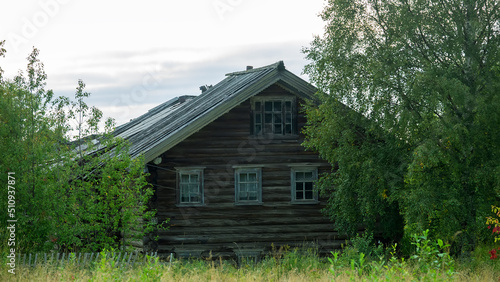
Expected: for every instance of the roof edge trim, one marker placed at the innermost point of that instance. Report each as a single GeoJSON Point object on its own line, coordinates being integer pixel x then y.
{"type": "Point", "coordinates": [280, 65]}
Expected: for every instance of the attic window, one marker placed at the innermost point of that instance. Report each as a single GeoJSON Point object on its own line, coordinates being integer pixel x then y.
{"type": "Point", "coordinates": [273, 116]}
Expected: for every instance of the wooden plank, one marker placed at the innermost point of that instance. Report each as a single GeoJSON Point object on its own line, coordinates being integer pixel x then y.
{"type": "Point", "coordinates": [263, 221]}
{"type": "Point", "coordinates": [250, 230]}
{"type": "Point", "coordinates": [268, 238]}
{"type": "Point", "coordinates": [244, 212]}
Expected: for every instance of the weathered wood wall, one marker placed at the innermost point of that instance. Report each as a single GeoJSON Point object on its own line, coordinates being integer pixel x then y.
{"type": "Point", "coordinates": [221, 226]}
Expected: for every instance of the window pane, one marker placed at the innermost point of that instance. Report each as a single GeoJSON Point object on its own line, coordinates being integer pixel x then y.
{"type": "Point", "coordinates": [193, 188]}
{"type": "Point", "coordinates": [277, 106]}
{"type": "Point", "coordinates": [277, 118]}
{"type": "Point", "coordinates": [252, 186]}
{"type": "Point", "coordinates": [194, 178]}
{"type": "Point", "coordinates": [308, 186]}
{"type": "Point", "coordinates": [257, 106]}
{"type": "Point", "coordinates": [308, 175]}
{"type": "Point", "coordinates": [252, 177]}
{"type": "Point", "coordinates": [299, 176]}
{"type": "Point", "coordinates": [309, 195]}
{"type": "Point", "coordinates": [258, 118]}
{"type": "Point", "coordinates": [243, 177]}
{"type": "Point", "coordinates": [268, 106]}
{"type": "Point", "coordinates": [288, 118]}
{"type": "Point", "coordinates": [288, 129]}
{"type": "Point", "coordinates": [258, 129]}
{"type": "Point", "coordinates": [268, 118]}
{"type": "Point", "coordinates": [308, 191]}
{"type": "Point", "coordinates": [184, 178]}
{"type": "Point", "coordinates": [288, 106]}
{"type": "Point", "coordinates": [252, 196]}
{"type": "Point", "coordinates": [277, 128]}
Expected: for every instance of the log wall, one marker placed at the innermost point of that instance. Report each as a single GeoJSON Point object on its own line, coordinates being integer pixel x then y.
{"type": "Point", "coordinates": [219, 225]}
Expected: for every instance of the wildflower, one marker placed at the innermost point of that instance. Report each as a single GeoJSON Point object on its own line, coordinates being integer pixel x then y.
{"type": "Point", "coordinates": [493, 254]}
{"type": "Point", "coordinates": [496, 229]}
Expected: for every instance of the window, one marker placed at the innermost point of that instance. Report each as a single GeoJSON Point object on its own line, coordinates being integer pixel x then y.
{"type": "Point", "coordinates": [303, 190]}
{"type": "Point", "coordinates": [190, 186]}
{"type": "Point", "coordinates": [248, 186]}
{"type": "Point", "coordinates": [273, 116]}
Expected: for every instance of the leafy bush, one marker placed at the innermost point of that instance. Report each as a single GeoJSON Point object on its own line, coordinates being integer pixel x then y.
{"type": "Point", "coordinates": [431, 256]}
{"type": "Point", "coordinates": [494, 224]}
{"type": "Point", "coordinates": [70, 195]}
{"type": "Point", "coordinates": [430, 259]}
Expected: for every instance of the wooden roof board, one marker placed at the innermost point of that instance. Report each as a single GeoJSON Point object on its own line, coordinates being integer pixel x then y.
{"type": "Point", "coordinates": [168, 124]}
{"type": "Point", "coordinates": [146, 120]}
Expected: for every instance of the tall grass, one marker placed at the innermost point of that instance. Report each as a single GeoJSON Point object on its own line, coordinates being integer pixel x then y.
{"type": "Point", "coordinates": [279, 265]}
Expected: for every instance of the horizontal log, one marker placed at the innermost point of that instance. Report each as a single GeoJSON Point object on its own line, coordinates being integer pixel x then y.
{"type": "Point", "coordinates": [263, 221]}
{"type": "Point", "coordinates": [322, 247]}
{"type": "Point", "coordinates": [249, 229]}
{"type": "Point", "coordinates": [248, 238]}
{"type": "Point", "coordinates": [241, 212]}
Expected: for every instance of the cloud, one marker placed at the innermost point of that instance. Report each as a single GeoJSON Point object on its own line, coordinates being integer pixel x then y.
{"type": "Point", "coordinates": [124, 84]}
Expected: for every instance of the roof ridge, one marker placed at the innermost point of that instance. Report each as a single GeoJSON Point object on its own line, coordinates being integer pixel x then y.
{"type": "Point", "coordinates": [278, 65]}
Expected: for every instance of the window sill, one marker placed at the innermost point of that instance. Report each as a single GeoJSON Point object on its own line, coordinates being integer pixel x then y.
{"type": "Point", "coordinates": [307, 202]}
{"type": "Point", "coordinates": [248, 204]}
{"type": "Point", "coordinates": [274, 137]}
{"type": "Point", "coordinates": [190, 205]}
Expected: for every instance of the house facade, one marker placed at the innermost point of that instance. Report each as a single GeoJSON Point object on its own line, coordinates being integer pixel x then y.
{"type": "Point", "coordinates": [229, 170]}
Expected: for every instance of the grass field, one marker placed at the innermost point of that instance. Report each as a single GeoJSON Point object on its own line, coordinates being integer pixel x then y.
{"type": "Point", "coordinates": [294, 265]}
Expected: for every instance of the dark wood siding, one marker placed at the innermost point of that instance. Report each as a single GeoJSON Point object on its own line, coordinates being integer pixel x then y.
{"type": "Point", "coordinates": [221, 226]}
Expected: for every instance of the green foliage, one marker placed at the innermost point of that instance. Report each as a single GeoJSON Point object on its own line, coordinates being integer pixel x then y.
{"type": "Point", "coordinates": [494, 225]}
{"type": "Point", "coordinates": [294, 265]}
{"type": "Point", "coordinates": [29, 143]}
{"type": "Point", "coordinates": [430, 256]}
{"type": "Point", "coordinates": [430, 261]}
{"type": "Point", "coordinates": [360, 244]}
{"type": "Point", "coordinates": [80, 195]}
{"type": "Point", "coordinates": [417, 145]}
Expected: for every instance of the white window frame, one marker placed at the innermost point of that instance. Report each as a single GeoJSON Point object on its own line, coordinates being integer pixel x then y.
{"type": "Point", "coordinates": [180, 189]}
{"type": "Point", "coordinates": [259, 116]}
{"type": "Point", "coordinates": [237, 187]}
{"type": "Point", "coordinates": [293, 181]}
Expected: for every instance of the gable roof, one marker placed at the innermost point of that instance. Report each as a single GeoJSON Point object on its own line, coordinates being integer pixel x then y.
{"type": "Point", "coordinates": [166, 125]}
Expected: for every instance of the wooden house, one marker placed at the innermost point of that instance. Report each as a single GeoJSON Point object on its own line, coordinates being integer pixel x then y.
{"type": "Point", "coordinates": [229, 169]}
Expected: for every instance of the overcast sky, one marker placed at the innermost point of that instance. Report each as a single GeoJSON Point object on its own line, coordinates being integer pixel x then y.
{"type": "Point", "coordinates": [134, 55]}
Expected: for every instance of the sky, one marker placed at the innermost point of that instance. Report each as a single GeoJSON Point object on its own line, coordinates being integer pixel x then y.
{"type": "Point", "coordinates": [134, 55]}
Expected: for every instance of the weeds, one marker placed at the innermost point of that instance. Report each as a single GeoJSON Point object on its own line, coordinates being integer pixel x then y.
{"type": "Point", "coordinates": [283, 264]}
{"type": "Point", "coordinates": [429, 260]}
{"type": "Point", "coordinates": [430, 256]}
